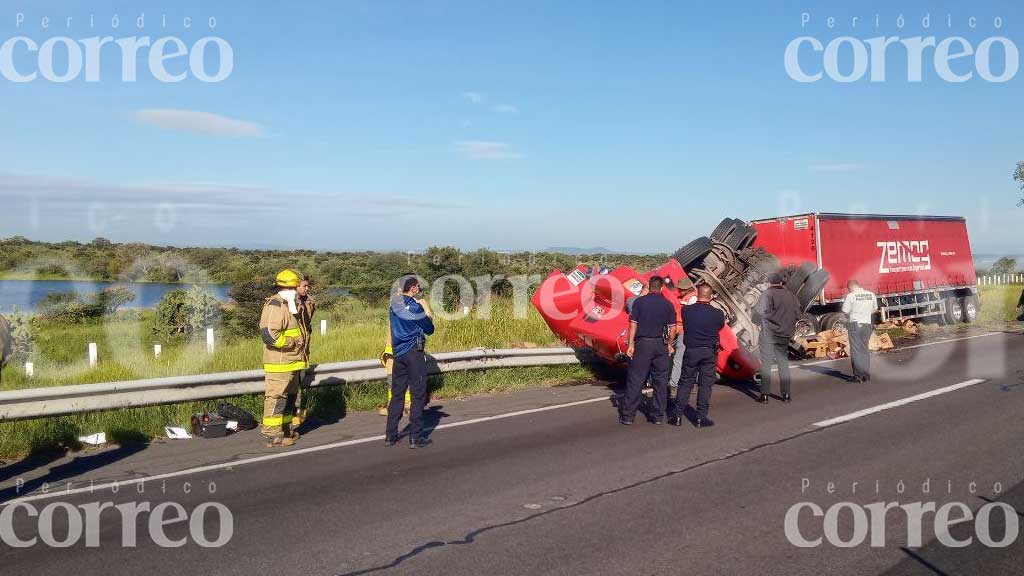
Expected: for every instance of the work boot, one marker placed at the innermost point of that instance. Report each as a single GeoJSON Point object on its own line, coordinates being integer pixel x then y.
{"type": "Point", "coordinates": [298, 419]}
{"type": "Point", "coordinates": [281, 441]}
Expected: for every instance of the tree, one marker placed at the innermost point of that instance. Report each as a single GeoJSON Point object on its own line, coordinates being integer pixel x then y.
{"type": "Point", "coordinates": [1004, 265]}
{"type": "Point", "coordinates": [1018, 176]}
{"type": "Point", "coordinates": [110, 299]}
{"type": "Point", "coordinates": [243, 317]}
{"type": "Point", "coordinates": [182, 315]}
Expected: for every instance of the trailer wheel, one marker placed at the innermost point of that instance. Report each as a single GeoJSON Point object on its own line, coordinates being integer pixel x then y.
{"type": "Point", "coordinates": [693, 252]}
{"type": "Point", "coordinates": [811, 288]}
{"type": "Point", "coordinates": [969, 307]}
{"type": "Point", "coordinates": [798, 276]}
{"type": "Point", "coordinates": [740, 237]}
{"type": "Point", "coordinates": [724, 228]}
{"type": "Point", "coordinates": [954, 311]}
{"type": "Point", "coordinates": [806, 325]}
{"type": "Point", "coordinates": [834, 320]}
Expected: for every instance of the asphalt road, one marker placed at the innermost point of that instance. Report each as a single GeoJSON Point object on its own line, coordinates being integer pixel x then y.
{"type": "Point", "coordinates": [566, 490]}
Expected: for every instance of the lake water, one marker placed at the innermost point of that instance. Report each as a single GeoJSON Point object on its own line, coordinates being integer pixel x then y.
{"type": "Point", "coordinates": [25, 294]}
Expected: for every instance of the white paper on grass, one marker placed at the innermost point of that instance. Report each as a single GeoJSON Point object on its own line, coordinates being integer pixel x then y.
{"type": "Point", "coordinates": [94, 439]}
{"type": "Point", "coordinates": [232, 425]}
{"type": "Point", "coordinates": [176, 433]}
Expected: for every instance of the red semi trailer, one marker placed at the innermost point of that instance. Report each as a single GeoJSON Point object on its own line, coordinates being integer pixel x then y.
{"type": "Point", "coordinates": [919, 266]}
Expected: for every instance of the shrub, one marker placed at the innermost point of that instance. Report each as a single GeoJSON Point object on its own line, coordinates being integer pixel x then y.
{"type": "Point", "coordinates": [243, 319]}
{"type": "Point", "coordinates": [184, 314]}
{"type": "Point", "coordinates": [19, 342]}
{"type": "Point", "coordinates": [69, 307]}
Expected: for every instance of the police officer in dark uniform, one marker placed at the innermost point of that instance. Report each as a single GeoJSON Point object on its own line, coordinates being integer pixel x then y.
{"type": "Point", "coordinates": [703, 323]}
{"type": "Point", "coordinates": [652, 322]}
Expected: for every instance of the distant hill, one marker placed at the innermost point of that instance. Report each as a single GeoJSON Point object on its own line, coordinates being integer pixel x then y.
{"type": "Point", "coordinates": [577, 251]}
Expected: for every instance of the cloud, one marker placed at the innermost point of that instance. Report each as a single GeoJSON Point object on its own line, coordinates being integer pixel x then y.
{"type": "Point", "coordinates": [473, 97]}
{"type": "Point", "coordinates": [77, 191]}
{"type": "Point", "coordinates": [506, 109]}
{"type": "Point", "coordinates": [487, 150]}
{"type": "Point", "coordinates": [838, 167]}
{"type": "Point", "coordinates": [195, 122]}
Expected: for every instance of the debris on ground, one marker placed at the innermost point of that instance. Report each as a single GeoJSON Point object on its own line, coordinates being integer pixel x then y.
{"type": "Point", "coordinates": [177, 433]}
{"type": "Point", "coordinates": [97, 439]}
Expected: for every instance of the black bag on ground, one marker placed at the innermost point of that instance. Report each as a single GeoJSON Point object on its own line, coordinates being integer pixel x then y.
{"type": "Point", "coordinates": [245, 419]}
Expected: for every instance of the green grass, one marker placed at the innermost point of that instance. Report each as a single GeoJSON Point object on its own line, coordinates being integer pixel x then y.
{"type": "Point", "coordinates": [998, 312]}
{"type": "Point", "coordinates": [355, 331]}
{"type": "Point", "coordinates": [999, 304]}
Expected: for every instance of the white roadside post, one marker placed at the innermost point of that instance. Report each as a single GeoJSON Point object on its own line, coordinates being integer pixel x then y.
{"type": "Point", "coordinates": [209, 341]}
{"type": "Point", "coordinates": [157, 349]}
{"type": "Point", "coordinates": [30, 369]}
{"type": "Point", "coordinates": [93, 355]}
{"type": "Point", "coordinates": [323, 327]}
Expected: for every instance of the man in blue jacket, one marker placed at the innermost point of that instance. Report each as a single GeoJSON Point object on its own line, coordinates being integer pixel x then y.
{"type": "Point", "coordinates": [410, 326]}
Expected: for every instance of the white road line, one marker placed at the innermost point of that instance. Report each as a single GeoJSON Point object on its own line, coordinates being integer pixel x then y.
{"type": "Point", "coordinates": [224, 465]}
{"type": "Point", "coordinates": [897, 403]}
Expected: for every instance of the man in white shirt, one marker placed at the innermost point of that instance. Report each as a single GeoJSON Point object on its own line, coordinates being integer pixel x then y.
{"type": "Point", "coordinates": [859, 306]}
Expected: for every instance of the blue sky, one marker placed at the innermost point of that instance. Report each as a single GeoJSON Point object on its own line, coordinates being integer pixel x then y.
{"type": "Point", "coordinates": [510, 125]}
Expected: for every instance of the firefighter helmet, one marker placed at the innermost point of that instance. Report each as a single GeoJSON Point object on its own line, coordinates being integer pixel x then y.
{"type": "Point", "coordinates": [288, 279]}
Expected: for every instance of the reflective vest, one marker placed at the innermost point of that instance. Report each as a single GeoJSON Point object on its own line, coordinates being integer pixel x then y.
{"type": "Point", "coordinates": [280, 332]}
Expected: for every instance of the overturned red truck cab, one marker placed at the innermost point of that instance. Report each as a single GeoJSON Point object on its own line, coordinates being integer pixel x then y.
{"type": "Point", "coordinates": [920, 266]}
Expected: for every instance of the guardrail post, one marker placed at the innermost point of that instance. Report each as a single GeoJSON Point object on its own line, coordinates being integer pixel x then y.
{"type": "Point", "coordinates": [30, 369]}
{"type": "Point", "coordinates": [93, 355]}
{"type": "Point", "coordinates": [323, 327]}
{"type": "Point", "coordinates": [209, 341]}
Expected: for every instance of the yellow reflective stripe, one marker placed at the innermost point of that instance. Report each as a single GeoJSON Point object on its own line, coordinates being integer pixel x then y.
{"type": "Point", "coordinates": [289, 367]}
{"type": "Point", "coordinates": [281, 341]}
{"type": "Point", "coordinates": [293, 332]}
{"type": "Point", "coordinates": [277, 420]}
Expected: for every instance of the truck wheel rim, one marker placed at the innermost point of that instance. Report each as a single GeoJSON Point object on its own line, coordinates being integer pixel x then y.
{"type": "Point", "coordinates": [958, 311]}
{"type": "Point", "coordinates": [803, 329]}
{"type": "Point", "coordinates": [972, 311]}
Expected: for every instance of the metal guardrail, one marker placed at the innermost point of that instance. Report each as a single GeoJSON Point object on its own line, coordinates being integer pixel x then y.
{"type": "Point", "coordinates": [84, 398]}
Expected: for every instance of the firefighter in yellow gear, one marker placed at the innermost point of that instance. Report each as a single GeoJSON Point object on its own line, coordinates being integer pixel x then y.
{"type": "Point", "coordinates": [307, 308]}
{"type": "Point", "coordinates": [387, 360]}
{"type": "Point", "coordinates": [284, 358]}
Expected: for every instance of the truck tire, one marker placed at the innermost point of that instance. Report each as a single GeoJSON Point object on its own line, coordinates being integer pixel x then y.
{"type": "Point", "coordinates": [806, 325]}
{"type": "Point", "coordinates": [811, 288]}
{"type": "Point", "coordinates": [834, 320]}
{"type": "Point", "coordinates": [954, 311]}
{"type": "Point", "coordinates": [748, 239]}
{"type": "Point", "coordinates": [693, 252]}
{"type": "Point", "coordinates": [798, 276]}
{"type": "Point", "coordinates": [740, 237]}
{"type": "Point", "coordinates": [724, 228]}
{"type": "Point", "coordinates": [969, 306]}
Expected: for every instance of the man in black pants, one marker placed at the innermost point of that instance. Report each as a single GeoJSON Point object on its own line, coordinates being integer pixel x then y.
{"type": "Point", "coordinates": [410, 325]}
{"type": "Point", "coordinates": [652, 323]}
{"type": "Point", "coordinates": [776, 311]}
{"type": "Point", "coordinates": [703, 322]}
